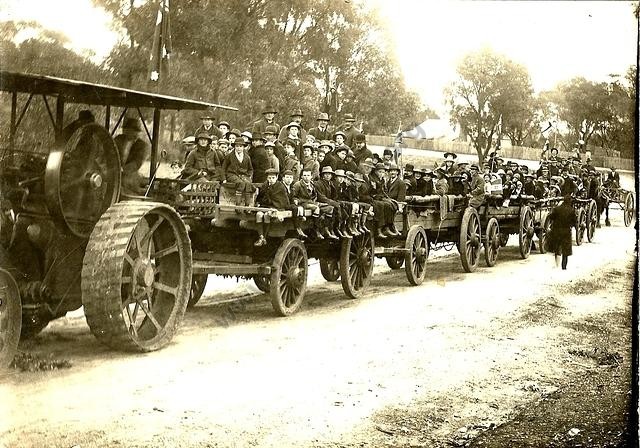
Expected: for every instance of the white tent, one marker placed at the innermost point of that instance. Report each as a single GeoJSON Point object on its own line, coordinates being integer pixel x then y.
{"type": "Point", "coordinates": [431, 129]}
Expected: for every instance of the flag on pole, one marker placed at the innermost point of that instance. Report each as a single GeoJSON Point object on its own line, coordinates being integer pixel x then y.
{"type": "Point", "coordinates": [161, 50]}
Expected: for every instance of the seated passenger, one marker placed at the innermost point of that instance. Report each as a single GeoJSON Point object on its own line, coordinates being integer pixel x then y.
{"type": "Point", "coordinates": [202, 162]}
{"type": "Point", "coordinates": [305, 195]}
{"type": "Point", "coordinates": [133, 153]}
{"type": "Point", "coordinates": [476, 188]}
{"type": "Point", "coordinates": [441, 186]}
{"type": "Point", "coordinates": [238, 170]}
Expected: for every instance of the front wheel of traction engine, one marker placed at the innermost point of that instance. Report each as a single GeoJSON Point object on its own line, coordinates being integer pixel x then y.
{"type": "Point", "coordinates": [136, 276]}
{"type": "Point", "coordinates": [10, 318]}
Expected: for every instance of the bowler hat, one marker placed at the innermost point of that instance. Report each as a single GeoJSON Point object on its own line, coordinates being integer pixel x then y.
{"type": "Point", "coordinates": [349, 117]}
{"type": "Point", "coordinates": [359, 138]}
{"type": "Point", "coordinates": [409, 167]}
{"type": "Point", "coordinates": [323, 116]}
{"type": "Point", "coordinates": [387, 151]}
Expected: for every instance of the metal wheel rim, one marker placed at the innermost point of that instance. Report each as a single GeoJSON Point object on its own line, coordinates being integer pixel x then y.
{"type": "Point", "coordinates": [581, 226]}
{"type": "Point", "coordinates": [525, 234]}
{"type": "Point", "coordinates": [470, 240]}
{"type": "Point", "coordinates": [592, 220]}
{"type": "Point", "coordinates": [153, 253]}
{"type": "Point", "coordinates": [10, 317]}
{"type": "Point", "coordinates": [359, 262]}
{"type": "Point", "coordinates": [416, 263]}
{"type": "Point", "coordinates": [629, 210]}
{"type": "Point", "coordinates": [291, 278]}
{"type": "Point", "coordinates": [490, 245]}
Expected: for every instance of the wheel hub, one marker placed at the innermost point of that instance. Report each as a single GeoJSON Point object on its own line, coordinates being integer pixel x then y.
{"type": "Point", "coordinates": [530, 232]}
{"type": "Point", "coordinates": [144, 273]}
{"type": "Point", "coordinates": [95, 180]}
{"type": "Point", "coordinates": [474, 240]}
{"type": "Point", "coordinates": [293, 276]}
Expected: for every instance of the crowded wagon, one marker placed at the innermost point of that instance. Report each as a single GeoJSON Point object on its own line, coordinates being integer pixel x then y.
{"type": "Point", "coordinates": [254, 202]}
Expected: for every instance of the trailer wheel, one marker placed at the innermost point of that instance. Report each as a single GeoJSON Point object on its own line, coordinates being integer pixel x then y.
{"type": "Point", "coordinates": [592, 220]}
{"type": "Point", "coordinates": [10, 318]}
{"type": "Point", "coordinates": [415, 260]}
{"type": "Point", "coordinates": [526, 231]}
{"type": "Point", "coordinates": [136, 276]}
{"type": "Point", "coordinates": [395, 262]}
{"type": "Point", "coordinates": [82, 179]}
{"type": "Point", "coordinates": [330, 269]}
{"type": "Point", "coordinates": [581, 221]}
{"type": "Point", "coordinates": [288, 282]}
{"type": "Point", "coordinates": [262, 283]}
{"type": "Point", "coordinates": [470, 232]}
{"type": "Point", "coordinates": [543, 242]}
{"type": "Point", "coordinates": [356, 264]}
{"type": "Point", "coordinates": [198, 283]}
{"type": "Point", "coordinates": [492, 242]}
{"type": "Point", "coordinates": [629, 209]}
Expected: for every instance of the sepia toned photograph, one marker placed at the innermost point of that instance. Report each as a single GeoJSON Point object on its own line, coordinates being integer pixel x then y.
{"type": "Point", "coordinates": [319, 224]}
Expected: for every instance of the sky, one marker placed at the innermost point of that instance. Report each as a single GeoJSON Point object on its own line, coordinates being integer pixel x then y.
{"type": "Point", "coordinates": [554, 40]}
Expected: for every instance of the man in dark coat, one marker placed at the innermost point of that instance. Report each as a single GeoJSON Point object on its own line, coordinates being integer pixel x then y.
{"type": "Point", "coordinates": [134, 151]}
{"type": "Point", "coordinates": [84, 117]}
{"type": "Point", "coordinates": [349, 129]}
{"type": "Point", "coordinates": [476, 188]}
{"type": "Point", "coordinates": [562, 219]}
{"type": "Point", "coordinates": [268, 119]}
{"type": "Point", "coordinates": [360, 150]}
{"type": "Point", "coordinates": [321, 132]}
{"type": "Point", "coordinates": [208, 126]}
{"type": "Point", "coordinates": [259, 158]}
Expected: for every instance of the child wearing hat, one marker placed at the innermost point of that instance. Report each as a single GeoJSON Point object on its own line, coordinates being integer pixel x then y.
{"type": "Point", "coordinates": [291, 162]}
{"type": "Point", "coordinates": [308, 162]}
{"type": "Point", "coordinates": [203, 162]}
{"type": "Point", "coordinates": [305, 195]}
{"type": "Point", "coordinates": [238, 170]}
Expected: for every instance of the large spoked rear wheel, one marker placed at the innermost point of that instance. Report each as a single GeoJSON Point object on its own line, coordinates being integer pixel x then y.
{"type": "Point", "coordinates": [10, 318]}
{"type": "Point", "coordinates": [330, 269]}
{"type": "Point", "coordinates": [581, 221]}
{"type": "Point", "coordinates": [492, 242]}
{"type": "Point", "coordinates": [198, 283]}
{"type": "Point", "coordinates": [543, 243]}
{"type": "Point", "coordinates": [470, 232]}
{"type": "Point", "coordinates": [592, 220]}
{"type": "Point", "coordinates": [82, 179]}
{"type": "Point", "coordinates": [356, 264]}
{"type": "Point", "coordinates": [395, 262]}
{"type": "Point", "coordinates": [629, 209]}
{"type": "Point", "coordinates": [263, 282]}
{"type": "Point", "coordinates": [415, 259]}
{"type": "Point", "coordinates": [136, 276]}
{"type": "Point", "coordinates": [289, 277]}
{"type": "Point", "coordinates": [526, 231]}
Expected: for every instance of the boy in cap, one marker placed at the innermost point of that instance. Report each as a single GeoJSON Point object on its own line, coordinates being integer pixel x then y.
{"type": "Point", "coordinates": [308, 162]}
{"type": "Point", "coordinates": [341, 162]}
{"type": "Point", "coordinates": [133, 153]}
{"type": "Point", "coordinates": [304, 192]}
{"type": "Point", "coordinates": [328, 194]}
{"type": "Point", "coordinates": [291, 162]}
{"type": "Point", "coordinates": [203, 162]}
{"type": "Point", "coordinates": [237, 169]}
{"type": "Point", "coordinates": [274, 163]}
{"type": "Point", "coordinates": [224, 127]}
{"type": "Point", "coordinates": [259, 158]}
{"type": "Point", "coordinates": [292, 131]}
{"type": "Point", "coordinates": [271, 194]}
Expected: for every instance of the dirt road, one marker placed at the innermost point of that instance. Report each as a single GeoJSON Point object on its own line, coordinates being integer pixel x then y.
{"type": "Point", "coordinates": [433, 365]}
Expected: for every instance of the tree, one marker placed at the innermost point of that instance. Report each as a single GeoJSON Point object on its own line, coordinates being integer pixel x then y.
{"type": "Point", "coordinates": [491, 95]}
